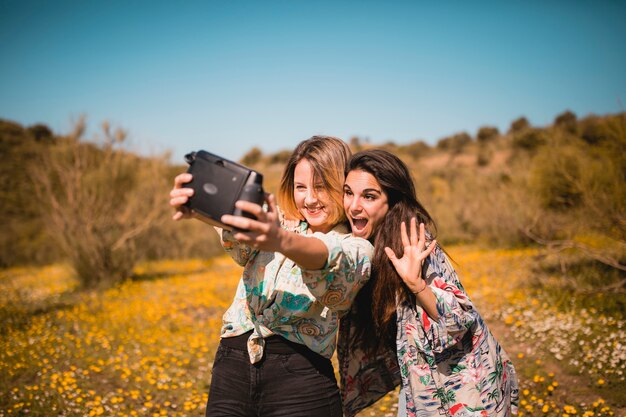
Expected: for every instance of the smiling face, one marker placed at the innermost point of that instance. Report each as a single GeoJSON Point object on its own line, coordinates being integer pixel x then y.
{"type": "Point", "coordinates": [365, 203]}
{"type": "Point", "coordinates": [311, 198]}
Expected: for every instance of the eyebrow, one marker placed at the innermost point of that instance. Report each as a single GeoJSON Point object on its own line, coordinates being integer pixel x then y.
{"type": "Point", "coordinates": [367, 190]}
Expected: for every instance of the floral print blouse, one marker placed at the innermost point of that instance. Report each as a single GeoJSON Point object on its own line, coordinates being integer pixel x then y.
{"type": "Point", "coordinates": [276, 297]}
{"type": "Point", "coordinates": [450, 367]}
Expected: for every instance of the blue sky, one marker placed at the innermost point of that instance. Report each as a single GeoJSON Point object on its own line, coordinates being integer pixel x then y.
{"type": "Point", "coordinates": [229, 75]}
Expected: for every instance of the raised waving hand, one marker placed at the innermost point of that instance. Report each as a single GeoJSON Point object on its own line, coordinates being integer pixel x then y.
{"type": "Point", "coordinates": [409, 266]}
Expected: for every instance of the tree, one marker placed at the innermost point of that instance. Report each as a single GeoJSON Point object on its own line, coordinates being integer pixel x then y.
{"type": "Point", "coordinates": [519, 125]}
{"type": "Point", "coordinates": [280, 157]}
{"type": "Point", "coordinates": [566, 121]}
{"type": "Point", "coordinates": [416, 149]}
{"type": "Point", "coordinates": [487, 134]}
{"type": "Point", "coordinates": [96, 200]}
{"type": "Point", "coordinates": [253, 156]}
{"type": "Point", "coordinates": [23, 238]}
{"type": "Point", "coordinates": [455, 143]}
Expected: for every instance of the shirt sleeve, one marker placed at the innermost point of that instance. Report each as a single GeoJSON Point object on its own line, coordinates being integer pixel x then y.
{"type": "Point", "coordinates": [347, 269]}
{"type": "Point", "coordinates": [237, 250]}
{"type": "Point", "coordinates": [456, 311]}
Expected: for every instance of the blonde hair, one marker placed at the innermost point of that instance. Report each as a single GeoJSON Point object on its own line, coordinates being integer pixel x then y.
{"type": "Point", "coordinates": [329, 158]}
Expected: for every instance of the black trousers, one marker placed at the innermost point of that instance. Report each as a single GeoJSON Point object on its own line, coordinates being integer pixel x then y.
{"type": "Point", "coordinates": [290, 380]}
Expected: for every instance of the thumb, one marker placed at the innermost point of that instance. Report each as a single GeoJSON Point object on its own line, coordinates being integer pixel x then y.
{"type": "Point", "coordinates": [271, 203]}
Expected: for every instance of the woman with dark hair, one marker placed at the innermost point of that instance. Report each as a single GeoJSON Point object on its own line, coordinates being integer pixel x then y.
{"type": "Point", "coordinates": [414, 309]}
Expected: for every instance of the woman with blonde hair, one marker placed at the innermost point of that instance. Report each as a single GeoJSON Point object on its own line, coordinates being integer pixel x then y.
{"type": "Point", "coordinates": [280, 332]}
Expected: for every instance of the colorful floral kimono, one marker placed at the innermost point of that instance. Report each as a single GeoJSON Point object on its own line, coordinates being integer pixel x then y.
{"type": "Point", "coordinates": [450, 367]}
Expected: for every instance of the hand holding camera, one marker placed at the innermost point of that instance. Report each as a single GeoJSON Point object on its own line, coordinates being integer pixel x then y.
{"type": "Point", "coordinates": [212, 188]}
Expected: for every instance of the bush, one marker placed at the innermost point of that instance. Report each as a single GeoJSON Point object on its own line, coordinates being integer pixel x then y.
{"type": "Point", "coordinates": [252, 157]}
{"type": "Point", "coordinates": [416, 149]}
{"type": "Point", "coordinates": [566, 121]}
{"type": "Point", "coordinates": [555, 178]}
{"type": "Point", "coordinates": [529, 139]}
{"type": "Point", "coordinates": [487, 134]}
{"type": "Point", "coordinates": [280, 157]}
{"type": "Point", "coordinates": [23, 237]}
{"type": "Point", "coordinates": [519, 125]}
{"type": "Point", "coordinates": [455, 143]}
{"type": "Point", "coordinates": [97, 200]}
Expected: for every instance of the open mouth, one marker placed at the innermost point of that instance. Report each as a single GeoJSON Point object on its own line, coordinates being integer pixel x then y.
{"type": "Point", "coordinates": [359, 223]}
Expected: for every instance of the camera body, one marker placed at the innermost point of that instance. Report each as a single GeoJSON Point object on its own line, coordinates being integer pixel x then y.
{"type": "Point", "coordinates": [218, 183]}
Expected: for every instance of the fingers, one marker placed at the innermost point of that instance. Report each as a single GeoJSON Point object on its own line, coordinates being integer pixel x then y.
{"type": "Point", "coordinates": [429, 249]}
{"type": "Point", "coordinates": [405, 237]}
{"type": "Point", "coordinates": [414, 240]}
{"type": "Point", "coordinates": [182, 179]}
{"type": "Point", "coordinates": [252, 208]}
{"type": "Point", "coordinates": [421, 244]}
{"type": "Point", "coordinates": [240, 222]}
{"type": "Point", "coordinates": [271, 203]}
{"type": "Point", "coordinates": [182, 212]}
{"type": "Point", "coordinates": [179, 195]}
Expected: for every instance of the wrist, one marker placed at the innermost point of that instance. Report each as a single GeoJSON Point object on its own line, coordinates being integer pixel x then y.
{"type": "Point", "coordinates": [284, 241]}
{"type": "Point", "coordinates": [421, 288]}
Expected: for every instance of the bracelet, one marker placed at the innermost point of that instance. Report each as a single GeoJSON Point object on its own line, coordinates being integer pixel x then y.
{"type": "Point", "coordinates": [423, 288]}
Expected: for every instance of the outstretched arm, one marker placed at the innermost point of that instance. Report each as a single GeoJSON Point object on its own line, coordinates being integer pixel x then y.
{"type": "Point", "coordinates": [265, 233]}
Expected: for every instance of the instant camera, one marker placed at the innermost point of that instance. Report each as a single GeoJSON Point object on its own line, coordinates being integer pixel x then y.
{"type": "Point", "coordinates": [218, 183]}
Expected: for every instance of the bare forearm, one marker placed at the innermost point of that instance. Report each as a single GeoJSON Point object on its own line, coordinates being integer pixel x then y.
{"type": "Point", "coordinates": [427, 300]}
{"type": "Point", "coordinates": [307, 252]}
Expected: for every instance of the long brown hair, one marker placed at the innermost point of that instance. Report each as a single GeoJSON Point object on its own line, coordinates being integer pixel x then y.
{"type": "Point", "coordinates": [328, 157]}
{"type": "Point", "coordinates": [377, 300]}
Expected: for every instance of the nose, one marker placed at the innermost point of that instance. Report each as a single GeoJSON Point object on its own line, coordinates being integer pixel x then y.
{"type": "Point", "coordinates": [311, 198]}
{"type": "Point", "coordinates": [354, 206]}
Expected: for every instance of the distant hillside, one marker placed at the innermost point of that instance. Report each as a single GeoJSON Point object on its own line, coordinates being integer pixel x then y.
{"type": "Point", "coordinates": [504, 187]}
{"type": "Point", "coordinates": [562, 182]}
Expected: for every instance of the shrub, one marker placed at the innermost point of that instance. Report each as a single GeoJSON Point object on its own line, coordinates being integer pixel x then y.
{"type": "Point", "coordinates": [455, 143]}
{"type": "Point", "coordinates": [519, 125]}
{"type": "Point", "coordinates": [252, 157]}
{"type": "Point", "coordinates": [529, 139]}
{"type": "Point", "coordinates": [487, 134]}
{"type": "Point", "coordinates": [96, 200]}
{"type": "Point", "coordinates": [416, 149]}
{"type": "Point", "coordinates": [566, 121]}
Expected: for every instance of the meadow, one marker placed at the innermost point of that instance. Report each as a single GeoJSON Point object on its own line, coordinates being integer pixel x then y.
{"type": "Point", "coordinates": [145, 346]}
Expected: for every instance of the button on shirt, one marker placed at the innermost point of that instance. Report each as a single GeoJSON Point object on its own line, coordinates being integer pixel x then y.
{"type": "Point", "coordinates": [277, 297]}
